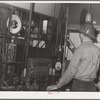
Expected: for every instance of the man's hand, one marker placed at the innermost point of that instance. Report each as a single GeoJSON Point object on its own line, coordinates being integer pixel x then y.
{"type": "Point", "coordinates": [52, 87]}
{"type": "Point", "coordinates": [71, 46]}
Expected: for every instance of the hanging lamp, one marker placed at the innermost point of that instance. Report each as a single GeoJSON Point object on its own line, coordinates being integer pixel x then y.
{"type": "Point", "coordinates": [88, 18]}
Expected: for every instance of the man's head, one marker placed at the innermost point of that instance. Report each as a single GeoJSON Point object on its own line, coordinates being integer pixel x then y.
{"type": "Point", "coordinates": [84, 38]}
{"type": "Point", "coordinates": [87, 32]}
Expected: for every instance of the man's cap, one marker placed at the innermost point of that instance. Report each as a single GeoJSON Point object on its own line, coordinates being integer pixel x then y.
{"type": "Point", "coordinates": [88, 30]}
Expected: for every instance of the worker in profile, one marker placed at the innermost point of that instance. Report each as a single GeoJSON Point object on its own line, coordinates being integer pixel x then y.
{"type": "Point", "coordinates": [84, 64]}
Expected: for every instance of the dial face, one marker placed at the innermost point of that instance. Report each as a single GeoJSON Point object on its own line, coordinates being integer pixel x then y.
{"type": "Point", "coordinates": [15, 24]}
{"type": "Point", "coordinates": [58, 66]}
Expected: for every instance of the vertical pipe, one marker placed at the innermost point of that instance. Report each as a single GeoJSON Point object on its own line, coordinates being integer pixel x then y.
{"type": "Point", "coordinates": [39, 39]}
{"type": "Point", "coordinates": [29, 30]}
{"type": "Point", "coordinates": [58, 28]}
{"type": "Point", "coordinates": [65, 44]}
{"type": "Point", "coordinates": [7, 38]}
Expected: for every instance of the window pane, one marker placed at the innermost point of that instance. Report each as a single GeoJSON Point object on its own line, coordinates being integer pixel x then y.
{"type": "Point", "coordinates": [45, 22]}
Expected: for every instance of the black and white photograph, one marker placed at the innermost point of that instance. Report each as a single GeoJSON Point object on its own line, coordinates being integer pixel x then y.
{"type": "Point", "coordinates": [51, 47]}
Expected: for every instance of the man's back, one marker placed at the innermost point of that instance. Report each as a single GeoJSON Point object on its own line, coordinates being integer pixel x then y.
{"type": "Point", "coordinates": [89, 61]}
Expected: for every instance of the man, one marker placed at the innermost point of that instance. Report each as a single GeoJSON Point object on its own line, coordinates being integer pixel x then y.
{"type": "Point", "coordinates": [84, 64]}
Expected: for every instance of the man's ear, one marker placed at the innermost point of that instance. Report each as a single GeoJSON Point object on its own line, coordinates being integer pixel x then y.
{"type": "Point", "coordinates": [81, 37]}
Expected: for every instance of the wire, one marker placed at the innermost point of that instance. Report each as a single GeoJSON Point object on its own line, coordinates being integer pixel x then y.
{"type": "Point", "coordinates": [89, 8]}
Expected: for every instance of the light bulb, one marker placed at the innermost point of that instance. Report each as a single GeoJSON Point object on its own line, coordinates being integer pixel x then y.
{"type": "Point", "coordinates": [88, 18]}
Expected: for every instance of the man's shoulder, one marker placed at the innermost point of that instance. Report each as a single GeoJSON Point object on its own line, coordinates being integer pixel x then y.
{"type": "Point", "coordinates": [81, 46]}
{"type": "Point", "coordinates": [88, 46]}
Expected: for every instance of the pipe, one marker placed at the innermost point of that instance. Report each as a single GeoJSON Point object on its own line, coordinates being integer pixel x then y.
{"type": "Point", "coordinates": [29, 31]}
{"type": "Point", "coordinates": [65, 44]}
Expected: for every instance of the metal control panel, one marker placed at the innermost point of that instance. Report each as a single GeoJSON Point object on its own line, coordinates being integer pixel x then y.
{"type": "Point", "coordinates": [38, 67]}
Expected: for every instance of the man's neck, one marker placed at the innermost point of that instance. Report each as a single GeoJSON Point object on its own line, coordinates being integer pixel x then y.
{"type": "Point", "coordinates": [87, 40]}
